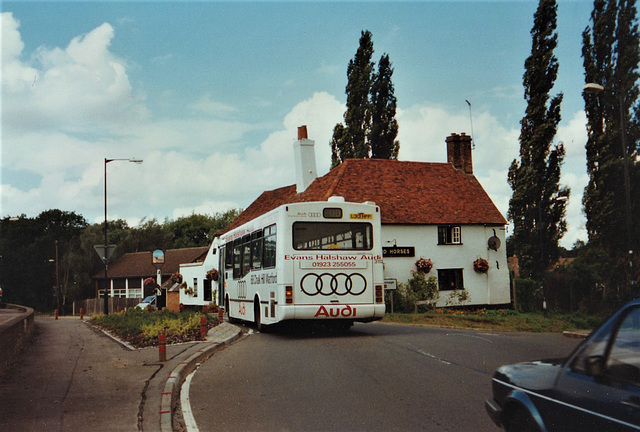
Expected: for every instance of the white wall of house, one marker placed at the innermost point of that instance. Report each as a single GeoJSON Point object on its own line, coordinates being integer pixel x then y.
{"type": "Point", "coordinates": [195, 274]}
{"type": "Point", "coordinates": [484, 289]}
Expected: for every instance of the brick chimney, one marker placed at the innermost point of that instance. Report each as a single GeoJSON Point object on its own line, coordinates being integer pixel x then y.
{"type": "Point", "coordinates": [305, 159]}
{"type": "Point", "coordinates": [459, 152]}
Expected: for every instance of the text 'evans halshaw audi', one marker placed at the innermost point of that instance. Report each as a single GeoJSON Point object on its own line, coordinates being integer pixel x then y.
{"type": "Point", "coordinates": [596, 388]}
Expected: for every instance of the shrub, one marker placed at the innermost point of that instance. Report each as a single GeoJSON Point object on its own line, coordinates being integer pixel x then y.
{"type": "Point", "coordinates": [528, 295]}
{"type": "Point", "coordinates": [418, 288]}
{"type": "Point", "coordinates": [142, 327]}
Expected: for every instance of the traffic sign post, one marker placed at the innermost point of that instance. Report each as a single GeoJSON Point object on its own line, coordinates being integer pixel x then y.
{"type": "Point", "coordinates": [105, 254]}
{"type": "Point", "coordinates": [100, 249]}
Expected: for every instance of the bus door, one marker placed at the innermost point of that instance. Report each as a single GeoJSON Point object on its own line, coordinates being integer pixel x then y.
{"type": "Point", "coordinates": [221, 275]}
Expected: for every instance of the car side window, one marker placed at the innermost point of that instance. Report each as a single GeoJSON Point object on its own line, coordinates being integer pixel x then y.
{"type": "Point", "coordinates": [623, 362]}
{"type": "Point", "coordinates": [589, 360]}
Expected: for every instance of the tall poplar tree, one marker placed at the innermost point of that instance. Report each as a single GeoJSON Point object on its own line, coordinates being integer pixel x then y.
{"type": "Point", "coordinates": [384, 126]}
{"type": "Point", "coordinates": [537, 206]}
{"type": "Point", "coordinates": [369, 128]}
{"type": "Point", "coordinates": [349, 141]}
{"type": "Point", "coordinates": [611, 56]}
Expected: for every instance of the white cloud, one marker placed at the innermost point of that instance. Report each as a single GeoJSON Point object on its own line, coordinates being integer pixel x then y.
{"type": "Point", "coordinates": [16, 77]}
{"type": "Point", "coordinates": [206, 105]}
{"type": "Point", "coordinates": [82, 108]}
{"type": "Point", "coordinates": [79, 88]}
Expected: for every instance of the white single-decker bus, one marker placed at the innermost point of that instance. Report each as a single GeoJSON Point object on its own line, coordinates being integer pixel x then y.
{"type": "Point", "coordinates": [305, 261]}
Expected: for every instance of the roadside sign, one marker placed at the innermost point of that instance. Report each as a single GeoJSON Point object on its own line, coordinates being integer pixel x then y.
{"type": "Point", "coordinates": [390, 284]}
{"type": "Point", "coordinates": [100, 249]}
{"type": "Point", "coordinates": [158, 258]}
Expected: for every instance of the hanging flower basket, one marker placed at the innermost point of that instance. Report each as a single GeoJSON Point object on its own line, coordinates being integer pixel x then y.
{"type": "Point", "coordinates": [481, 265]}
{"type": "Point", "coordinates": [212, 275]}
{"type": "Point", "coordinates": [149, 282]}
{"type": "Point", "coordinates": [176, 278]}
{"type": "Point", "coordinates": [187, 289]}
{"type": "Point", "coordinates": [424, 265]}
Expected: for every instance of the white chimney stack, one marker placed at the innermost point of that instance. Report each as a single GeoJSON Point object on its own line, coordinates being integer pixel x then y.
{"type": "Point", "coordinates": [305, 155]}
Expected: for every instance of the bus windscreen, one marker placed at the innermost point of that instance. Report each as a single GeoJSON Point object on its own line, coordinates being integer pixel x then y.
{"type": "Point", "coordinates": [332, 236]}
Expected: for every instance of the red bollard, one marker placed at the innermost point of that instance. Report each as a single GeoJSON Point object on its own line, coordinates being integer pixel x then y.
{"type": "Point", "coordinates": [221, 315]}
{"type": "Point", "coordinates": [81, 313]}
{"type": "Point", "coordinates": [203, 326]}
{"type": "Point", "coordinates": [56, 313]}
{"type": "Point", "coordinates": [162, 347]}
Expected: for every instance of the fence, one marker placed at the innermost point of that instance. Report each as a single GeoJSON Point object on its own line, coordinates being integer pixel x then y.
{"type": "Point", "coordinates": [96, 305]}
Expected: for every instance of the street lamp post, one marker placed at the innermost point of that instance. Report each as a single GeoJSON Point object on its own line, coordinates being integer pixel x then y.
{"type": "Point", "coordinates": [598, 88]}
{"type": "Point", "coordinates": [105, 258]}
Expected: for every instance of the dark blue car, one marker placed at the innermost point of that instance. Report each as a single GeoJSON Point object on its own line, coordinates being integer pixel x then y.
{"type": "Point", "coordinates": [597, 388]}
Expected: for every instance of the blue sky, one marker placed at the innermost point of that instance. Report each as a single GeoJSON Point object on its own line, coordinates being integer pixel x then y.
{"type": "Point", "coordinates": [210, 94]}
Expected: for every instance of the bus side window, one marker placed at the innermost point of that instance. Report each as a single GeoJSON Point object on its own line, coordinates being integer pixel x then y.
{"type": "Point", "coordinates": [228, 256]}
{"type": "Point", "coordinates": [237, 259]}
{"type": "Point", "coordinates": [256, 250]}
{"type": "Point", "coordinates": [246, 254]}
{"type": "Point", "coordinates": [269, 247]}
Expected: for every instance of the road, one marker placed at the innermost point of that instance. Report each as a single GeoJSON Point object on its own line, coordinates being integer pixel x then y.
{"type": "Point", "coordinates": [376, 377]}
{"type": "Point", "coordinates": [71, 377]}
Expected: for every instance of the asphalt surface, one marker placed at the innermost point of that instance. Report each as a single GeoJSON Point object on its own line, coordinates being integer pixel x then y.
{"type": "Point", "coordinates": [74, 377]}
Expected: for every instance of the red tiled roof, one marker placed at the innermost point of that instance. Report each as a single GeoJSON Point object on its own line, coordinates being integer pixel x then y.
{"type": "Point", "coordinates": [420, 193]}
{"type": "Point", "coordinates": [139, 264]}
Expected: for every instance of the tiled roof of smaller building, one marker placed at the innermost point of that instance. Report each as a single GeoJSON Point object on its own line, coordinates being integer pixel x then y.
{"type": "Point", "coordinates": [139, 264]}
{"type": "Point", "coordinates": [422, 193]}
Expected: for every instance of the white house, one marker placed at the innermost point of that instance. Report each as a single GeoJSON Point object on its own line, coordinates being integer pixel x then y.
{"type": "Point", "coordinates": [438, 211]}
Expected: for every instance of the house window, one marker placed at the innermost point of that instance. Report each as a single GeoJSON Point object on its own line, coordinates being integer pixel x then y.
{"type": "Point", "coordinates": [206, 285]}
{"type": "Point", "coordinates": [450, 279]}
{"type": "Point", "coordinates": [449, 234]}
{"type": "Point", "coordinates": [135, 293]}
{"type": "Point", "coordinates": [195, 287]}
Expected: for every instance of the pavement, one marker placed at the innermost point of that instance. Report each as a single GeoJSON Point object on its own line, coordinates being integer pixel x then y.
{"type": "Point", "coordinates": [72, 376]}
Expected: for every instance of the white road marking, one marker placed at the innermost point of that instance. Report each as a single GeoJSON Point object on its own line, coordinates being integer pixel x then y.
{"type": "Point", "coordinates": [187, 413]}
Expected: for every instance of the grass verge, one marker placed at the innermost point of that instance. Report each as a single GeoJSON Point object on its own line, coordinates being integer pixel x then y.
{"type": "Point", "coordinates": [499, 320]}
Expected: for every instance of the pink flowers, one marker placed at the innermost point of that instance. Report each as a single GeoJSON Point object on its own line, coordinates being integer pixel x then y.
{"type": "Point", "coordinates": [481, 265]}
{"type": "Point", "coordinates": [424, 265]}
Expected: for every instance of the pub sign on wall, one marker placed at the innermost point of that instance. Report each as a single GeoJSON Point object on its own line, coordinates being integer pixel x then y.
{"type": "Point", "coordinates": [398, 251]}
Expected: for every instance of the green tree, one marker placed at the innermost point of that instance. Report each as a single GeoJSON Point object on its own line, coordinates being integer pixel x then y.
{"type": "Point", "coordinates": [369, 128]}
{"type": "Point", "coordinates": [384, 126]}
{"type": "Point", "coordinates": [537, 206]}
{"type": "Point", "coordinates": [30, 251]}
{"type": "Point", "coordinates": [198, 230]}
{"type": "Point", "coordinates": [611, 57]}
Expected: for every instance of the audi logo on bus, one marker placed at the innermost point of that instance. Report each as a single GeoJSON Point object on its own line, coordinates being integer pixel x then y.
{"type": "Point", "coordinates": [328, 284]}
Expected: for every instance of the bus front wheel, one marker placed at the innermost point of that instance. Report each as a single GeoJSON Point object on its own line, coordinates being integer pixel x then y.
{"type": "Point", "coordinates": [227, 305]}
{"type": "Point", "coordinates": [257, 318]}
